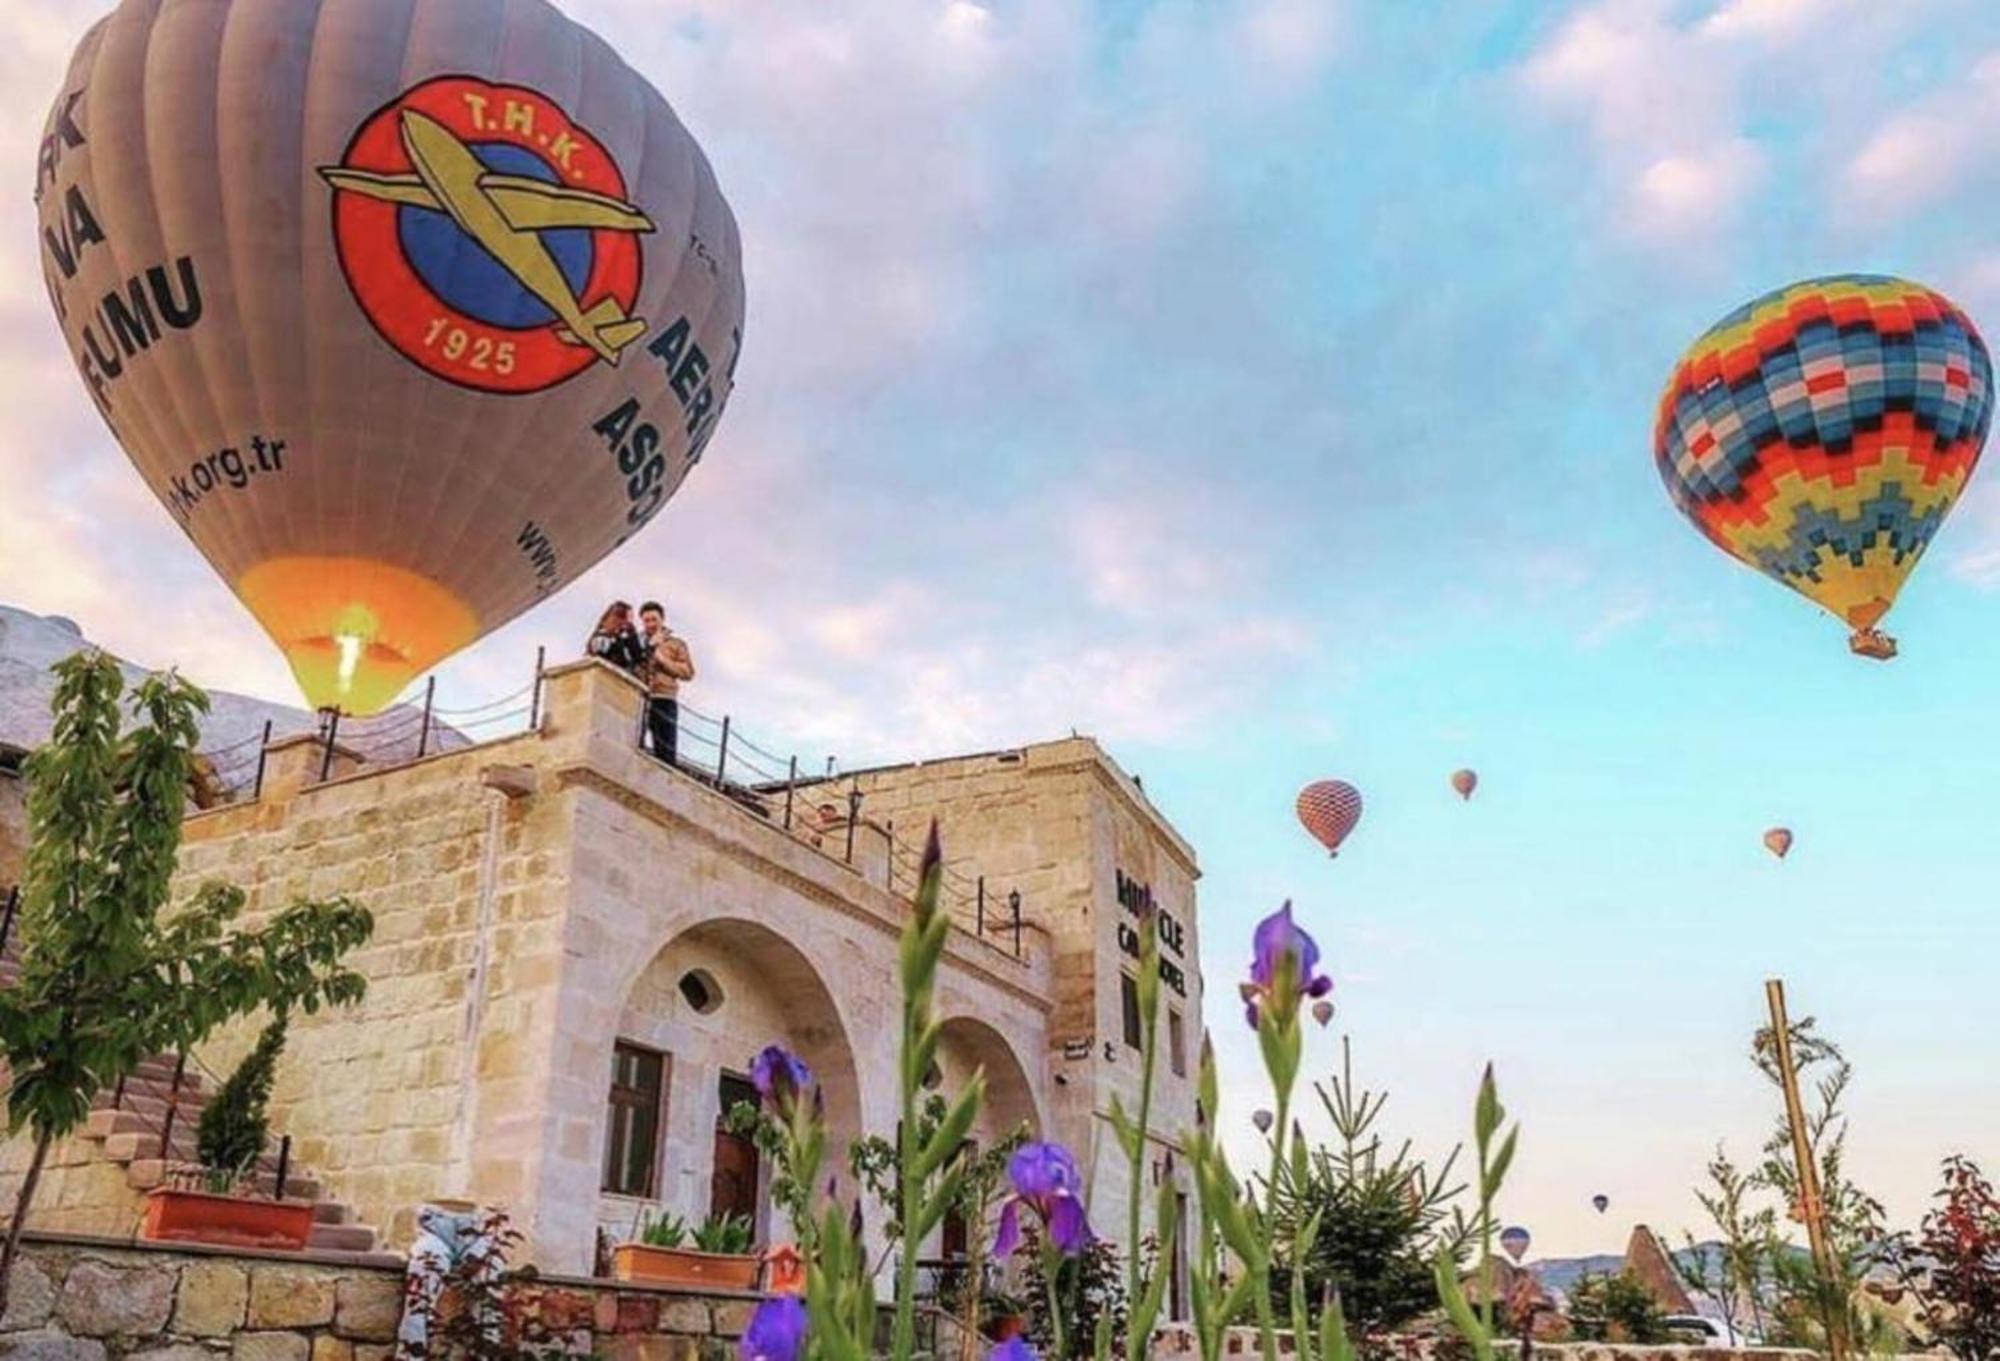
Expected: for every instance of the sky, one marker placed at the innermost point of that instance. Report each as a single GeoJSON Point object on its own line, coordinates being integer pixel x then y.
{"type": "Point", "coordinates": [1264, 387]}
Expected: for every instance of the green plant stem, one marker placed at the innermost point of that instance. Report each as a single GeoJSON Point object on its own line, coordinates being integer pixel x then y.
{"type": "Point", "coordinates": [1267, 1323]}
{"type": "Point", "coordinates": [1149, 1050]}
{"type": "Point", "coordinates": [1051, 1270]}
{"type": "Point", "coordinates": [911, 1207]}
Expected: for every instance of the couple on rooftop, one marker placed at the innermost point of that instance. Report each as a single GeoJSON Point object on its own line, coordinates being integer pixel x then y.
{"type": "Point", "coordinates": [658, 657]}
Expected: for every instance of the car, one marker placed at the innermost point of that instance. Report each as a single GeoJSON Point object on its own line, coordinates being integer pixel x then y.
{"type": "Point", "coordinates": [1705, 1331]}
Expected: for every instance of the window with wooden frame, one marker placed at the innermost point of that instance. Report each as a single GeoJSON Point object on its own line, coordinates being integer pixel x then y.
{"type": "Point", "coordinates": [632, 1122]}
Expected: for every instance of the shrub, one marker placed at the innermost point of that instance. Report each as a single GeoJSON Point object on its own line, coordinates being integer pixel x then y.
{"type": "Point", "coordinates": [1088, 1287]}
{"type": "Point", "coordinates": [1606, 1308]}
{"type": "Point", "coordinates": [233, 1129]}
{"type": "Point", "coordinates": [1953, 1266]}
{"type": "Point", "coordinates": [1381, 1216]}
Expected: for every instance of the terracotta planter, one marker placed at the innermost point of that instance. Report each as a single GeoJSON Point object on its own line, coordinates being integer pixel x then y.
{"type": "Point", "coordinates": [174, 1215]}
{"type": "Point", "coordinates": [1004, 1327]}
{"type": "Point", "coordinates": [683, 1266]}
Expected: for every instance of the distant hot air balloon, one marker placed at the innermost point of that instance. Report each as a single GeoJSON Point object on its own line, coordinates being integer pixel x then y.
{"type": "Point", "coordinates": [1329, 809]}
{"type": "Point", "coordinates": [1263, 1120]}
{"type": "Point", "coordinates": [1778, 841]}
{"type": "Point", "coordinates": [1323, 1011]}
{"type": "Point", "coordinates": [1600, 1203]}
{"type": "Point", "coordinates": [1514, 1241]}
{"type": "Point", "coordinates": [407, 318]}
{"type": "Point", "coordinates": [1465, 781]}
{"type": "Point", "coordinates": [1822, 433]}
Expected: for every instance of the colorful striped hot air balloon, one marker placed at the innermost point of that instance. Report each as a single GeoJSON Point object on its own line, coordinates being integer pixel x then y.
{"type": "Point", "coordinates": [1514, 1240]}
{"type": "Point", "coordinates": [407, 313]}
{"type": "Point", "coordinates": [1822, 433]}
{"type": "Point", "coordinates": [1328, 809]}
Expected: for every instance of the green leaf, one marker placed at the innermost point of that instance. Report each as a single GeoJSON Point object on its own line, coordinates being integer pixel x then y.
{"type": "Point", "coordinates": [1488, 1113]}
{"type": "Point", "coordinates": [1121, 1125]}
{"type": "Point", "coordinates": [949, 1137]}
{"type": "Point", "coordinates": [1146, 1311]}
{"type": "Point", "coordinates": [1501, 1162]}
{"type": "Point", "coordinates": [1334, 1343]}
{"type": "Point", "coordinates": [1457, 1309]}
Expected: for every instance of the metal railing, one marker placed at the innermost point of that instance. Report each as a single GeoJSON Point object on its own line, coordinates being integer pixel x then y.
{"type": "Point", "coordinates": [818, 811]}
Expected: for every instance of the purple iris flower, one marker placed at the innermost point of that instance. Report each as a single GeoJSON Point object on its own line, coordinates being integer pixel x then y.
{"type": "Point", "coordinates": [1282, 949]}
{"type": "Point", "coordinates": [1013, 1349]}
{"type": "Point", "coordinates": [1045, 1180]}
{"type": "Point", "coordinates": [776, 1332]}
{"type": "Point", "coordinates": [779, 1076]}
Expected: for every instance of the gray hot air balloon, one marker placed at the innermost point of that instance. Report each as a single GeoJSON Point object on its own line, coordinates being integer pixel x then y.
{"type": "Point", "coordinates": [408, 312]}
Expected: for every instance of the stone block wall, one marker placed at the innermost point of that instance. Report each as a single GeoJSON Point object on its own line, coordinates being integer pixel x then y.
{"type": "Point", "coordinates": [13, 827]}
{"type": "Point", "coordinates": [78, 1299]}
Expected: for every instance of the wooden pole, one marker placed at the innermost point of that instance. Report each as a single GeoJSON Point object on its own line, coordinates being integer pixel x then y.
{"type": "Point", "coordinates": [1810, 1206]}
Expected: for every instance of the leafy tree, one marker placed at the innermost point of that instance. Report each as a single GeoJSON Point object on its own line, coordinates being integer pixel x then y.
{"type": "Point", "coordinates": [1606, 1308]}
{"type": "Point", "coordinates": [233, 1129]}
{"type": "Point", "coordinates": [1813, 1303]}
{"type": "Point", "coordinates": [1381, 1215]}
{"type": "Point", "coordinates": [108, 978]}
{"type": "Point", "coordinates": [1733, 1277]}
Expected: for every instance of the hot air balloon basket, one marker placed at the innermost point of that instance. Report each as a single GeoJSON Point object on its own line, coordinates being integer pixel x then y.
{"type": "Point", "coordinates": [179, 1215]}
{"type": "Point", "coordinates": [1872, 643]}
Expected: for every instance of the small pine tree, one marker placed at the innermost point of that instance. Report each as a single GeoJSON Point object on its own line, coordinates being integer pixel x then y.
{"type": "Point", "coordinates": [233, 1128]}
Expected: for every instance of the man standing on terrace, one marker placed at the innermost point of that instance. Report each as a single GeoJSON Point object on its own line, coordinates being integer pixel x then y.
{"type": "Point", "coordinates": [668, 664]}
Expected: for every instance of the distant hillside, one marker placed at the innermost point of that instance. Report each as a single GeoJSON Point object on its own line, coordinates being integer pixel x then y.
{"type": "Point", "coordinates": [1562, 1273]}
{"type": "Point", "coordinates": [31, 645]}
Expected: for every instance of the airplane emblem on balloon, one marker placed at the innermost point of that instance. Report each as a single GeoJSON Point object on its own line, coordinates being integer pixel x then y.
{"type": "Point", "coordinates": [506, 215]}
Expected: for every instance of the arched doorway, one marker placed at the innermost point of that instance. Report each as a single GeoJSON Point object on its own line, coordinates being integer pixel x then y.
{"type": "Point", "coordinates": [692, 1021]}
{"type": "Point", "coordinates": [967, 1045]}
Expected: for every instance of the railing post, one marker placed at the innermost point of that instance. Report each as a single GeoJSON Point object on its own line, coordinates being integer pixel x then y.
{"type": "Point", "coordinates": [173, 1105]}
{"type": "Point", "coordinates": [284, 1167]}
{"type": "Point", "coordinates": [332, 733]}
{"type": "Point", "coordinates": [889, 869]}
{"type": "Point", "coordinates": [424, 733]}
{"type": "Point", "coordinates": [979, 908]}
{"type": "Point", "coordinates": [1014, 902]}
{"type": "Point", "coordinates": [853, 813]}
{"type": "Point", "coordinates": [535, 699]}
{"type": "Point", "coordinates": [263, 754]}
{"type": "Point", "coordinates": [791, 783]}
{"type": "Point", "coordinates": [722, 753]}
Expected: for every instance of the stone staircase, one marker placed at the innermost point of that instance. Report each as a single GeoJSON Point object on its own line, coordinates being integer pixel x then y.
{"type": "Point", "coordinates": [127, 1126]}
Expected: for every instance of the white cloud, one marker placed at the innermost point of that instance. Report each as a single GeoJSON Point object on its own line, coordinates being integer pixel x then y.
{"type": "Point", "coordinates": [1668, 98]}
{"type": "Point", "coordinates": [1933, 150]}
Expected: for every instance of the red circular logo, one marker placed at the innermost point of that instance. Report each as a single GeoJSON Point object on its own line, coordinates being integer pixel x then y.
{"type": "Point", "coordinates": [487, 237]}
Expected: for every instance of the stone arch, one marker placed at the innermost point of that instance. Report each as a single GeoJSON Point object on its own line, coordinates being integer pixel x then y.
{"type": "Point", "coordinates": [768, 992]}
{"type": "Point", "coordinates": [967, 1043]}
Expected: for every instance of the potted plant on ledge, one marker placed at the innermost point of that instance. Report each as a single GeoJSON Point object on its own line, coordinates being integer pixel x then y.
{"type": "Point", "coordinates": [720, 1256]}
{"type": "Point", "coordinates": [218, 1202]}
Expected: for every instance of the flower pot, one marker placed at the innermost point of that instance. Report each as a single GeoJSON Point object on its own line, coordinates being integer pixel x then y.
{"type": "Point", "coordinates": [175, 1215]}
{"type": "Point", "coordinates": [684, 1266]}
{"type": "Point", "coordinates": [1005, 1327]}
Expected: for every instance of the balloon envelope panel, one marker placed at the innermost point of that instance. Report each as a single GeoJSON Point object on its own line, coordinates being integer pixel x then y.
{"type": "Point", "coordinates": [409, 311]}
{"type": "Point", "coordinates": [1822, 433]}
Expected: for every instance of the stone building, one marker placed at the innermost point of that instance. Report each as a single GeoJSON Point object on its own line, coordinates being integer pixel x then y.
{"type": "Point", "coordinates": [578, 950]}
